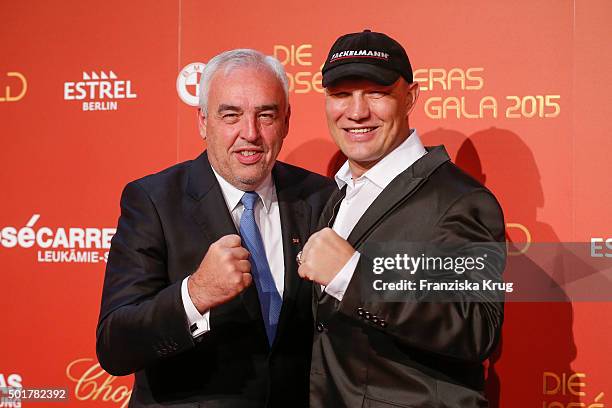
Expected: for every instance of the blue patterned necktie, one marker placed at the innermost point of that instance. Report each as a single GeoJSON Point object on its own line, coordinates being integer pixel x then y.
{"type": "Point", "coordinates": [269, 298]}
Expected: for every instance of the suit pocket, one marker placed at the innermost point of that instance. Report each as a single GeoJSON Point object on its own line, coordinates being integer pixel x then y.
{"type": "Point", "coordinates": [369, 402]}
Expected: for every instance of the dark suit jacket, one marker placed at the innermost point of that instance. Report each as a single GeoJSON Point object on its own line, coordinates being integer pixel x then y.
{"type": "Point", "coordinates": [411, 354]}
{"type": "Point", "coordinates": [168, 221]}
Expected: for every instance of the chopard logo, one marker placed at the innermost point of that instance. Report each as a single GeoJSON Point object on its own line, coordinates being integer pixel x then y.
{"type": "Point", "coordinates": [92, 383]}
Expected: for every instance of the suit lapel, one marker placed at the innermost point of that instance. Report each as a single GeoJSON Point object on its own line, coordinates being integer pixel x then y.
{"type": "Point", "coordinates": [327, 218]}
{"type": "Point", "coordinates": [393, 196]}
{"type": "Point", "coordinates": [209, 209]}
{"type": "Point", "coordinates": [396, 193]}
{"type": "Point", "coordinates": [330, 211]}
{"type": "Point", "coordinates": [295, 215]}
{"type": "Point", "coordinates": [211, 214]}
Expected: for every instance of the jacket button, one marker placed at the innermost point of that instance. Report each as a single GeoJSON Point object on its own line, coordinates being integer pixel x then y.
{"type": "Point", "coordinates": [382, 323]}
{"type": "Point", "coordinates": [374, 319]}
{"type": "Point", "coordinates": [320, 327]}
{"type": "Point", "coordinates": [360, 312]}
{"type": "Point", "coordinates": [367, 315]}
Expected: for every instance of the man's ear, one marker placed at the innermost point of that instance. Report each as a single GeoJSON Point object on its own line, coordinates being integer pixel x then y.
{"type": "Point", "coordinates": [202, 123]}
{"type": "Point", "coordinates": [413, 95]}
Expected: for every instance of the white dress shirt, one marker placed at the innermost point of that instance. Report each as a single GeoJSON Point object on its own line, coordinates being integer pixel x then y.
{"type": "Point", "coordinates": [361, 193]}
{"type": "Point", "coordinates": [267, 217]}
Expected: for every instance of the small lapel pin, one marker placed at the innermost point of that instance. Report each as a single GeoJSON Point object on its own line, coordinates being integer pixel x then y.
{"type": "Point", "coordinates": [295, 241]}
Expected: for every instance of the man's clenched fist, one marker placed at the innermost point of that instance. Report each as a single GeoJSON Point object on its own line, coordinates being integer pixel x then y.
{"type": "Point", "coordinates": [324, 255]}
{"type": "Point", "coordinates": [224, 272]}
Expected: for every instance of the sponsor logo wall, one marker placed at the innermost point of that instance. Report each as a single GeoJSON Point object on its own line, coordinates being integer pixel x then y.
{"type": "Point", "coordinates": [93, 97]}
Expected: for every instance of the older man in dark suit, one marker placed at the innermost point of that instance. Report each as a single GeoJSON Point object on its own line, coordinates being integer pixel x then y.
{"type": "Point", "coordinates": [201, 298]}
{"type": "Point", "coordinates": [424, 351]}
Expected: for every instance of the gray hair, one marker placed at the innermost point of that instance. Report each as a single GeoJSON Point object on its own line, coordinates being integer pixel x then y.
{"type": "Point", "coordinates": [240, 58]}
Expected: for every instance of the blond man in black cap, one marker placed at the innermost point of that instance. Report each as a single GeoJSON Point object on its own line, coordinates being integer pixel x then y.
{"type": "Point", "coordinates": [414, 353]}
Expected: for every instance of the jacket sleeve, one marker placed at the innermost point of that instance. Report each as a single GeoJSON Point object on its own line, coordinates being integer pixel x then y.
{"type": "Point", "coordinates": [142, 319]}
{"type": "Point", "coordinates": [463, 327]}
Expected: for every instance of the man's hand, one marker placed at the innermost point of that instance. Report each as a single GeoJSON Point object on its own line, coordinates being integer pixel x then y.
{"type": "Point", "coordinates": [323, 256]}
{"type": "Point", "coordinates": [224, 272]}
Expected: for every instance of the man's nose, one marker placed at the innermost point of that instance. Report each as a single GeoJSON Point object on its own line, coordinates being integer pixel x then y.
{"type": "Point", "coordinates": [358, 108]}
{"type": "Point", "coordinates": [250, 130]}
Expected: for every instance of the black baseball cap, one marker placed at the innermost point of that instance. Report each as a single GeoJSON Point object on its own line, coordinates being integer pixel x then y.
{"type": "Point", "coordinates": [370, 55]}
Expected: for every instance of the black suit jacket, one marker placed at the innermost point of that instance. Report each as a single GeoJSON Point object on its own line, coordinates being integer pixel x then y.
{"type": "Point", "coordinates": [168, 221]}
{"type": "Point", "coordinates": [411, 354]}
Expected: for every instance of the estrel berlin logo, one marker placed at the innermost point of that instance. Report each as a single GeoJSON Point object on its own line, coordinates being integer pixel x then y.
{"type": "Point", "coordinates": [187, 83]}
{"type": "Point", "coordinates": [10, 95]}
{"type": "Point", "coordinates": [99, 91]}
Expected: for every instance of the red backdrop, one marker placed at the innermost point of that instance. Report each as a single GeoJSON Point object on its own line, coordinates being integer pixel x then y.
{"type": "Point", "coordinates": [518, 92]}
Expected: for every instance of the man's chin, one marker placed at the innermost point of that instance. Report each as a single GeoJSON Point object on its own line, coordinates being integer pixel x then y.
{"type": "Point", "coordinates": [250, 181]}
{"type": "Point", "coordinates": [249, 177]}
{"type": "Point", "coordinates": [361, 157]}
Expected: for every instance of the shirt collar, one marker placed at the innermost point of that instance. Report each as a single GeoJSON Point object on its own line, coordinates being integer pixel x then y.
{"type": "Point", "coordinates": [233, 195]}
{"type": "Point", "coordinates": [394, 163]}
